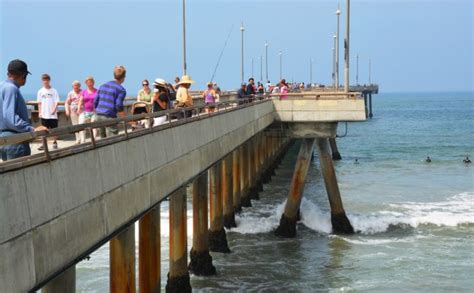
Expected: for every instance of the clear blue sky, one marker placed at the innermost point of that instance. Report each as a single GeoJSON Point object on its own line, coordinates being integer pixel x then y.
{"type": "Point", "coordinates": [415, 45]}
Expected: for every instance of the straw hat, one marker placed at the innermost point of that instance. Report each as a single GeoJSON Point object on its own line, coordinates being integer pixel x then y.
{"type": "Point", "coordinates": [186, 79]}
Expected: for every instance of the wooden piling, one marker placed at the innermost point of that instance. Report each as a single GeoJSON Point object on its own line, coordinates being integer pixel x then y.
{"type": "Point", "coordinates": [122, 261]}
{"type": "Point", "coordinates": [149, 256]}
{"type": "Point", "coordinates": [65, 282]}
{"type": "Point", "coordinates": [178, 276]}
{"type": "Point", "coordinates": [217, 235]}
{"type": "Point", "coordinates": [227, 188]}
{"type": "Point", "coordinates": [201, 260]}
{"type": "Point", "coordinates": [244, 176]}
{"type": "Point", "coordinates": [236, 181]}
{"type": "Point", "coordinates": [287, 227]}
{"type": "Point", "coordinates": [339, 220]}
{"type": "Point", "coordinates": [336, 156]}
{"type": "Point", "coordinates": [253, 189]}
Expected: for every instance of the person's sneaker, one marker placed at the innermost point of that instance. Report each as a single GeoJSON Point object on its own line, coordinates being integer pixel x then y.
{"type": "Point", "coordinates": [41, 148]}
{"type": "Point", "coordinates": [55, 145]}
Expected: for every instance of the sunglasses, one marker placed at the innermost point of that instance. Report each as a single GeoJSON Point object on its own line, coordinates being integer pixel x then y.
{"type": "Point", "coordinates": [145, 84]}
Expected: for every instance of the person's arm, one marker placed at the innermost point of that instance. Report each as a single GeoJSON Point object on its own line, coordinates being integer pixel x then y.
{"type": "Point", "coordinates": [38, 99]}
{"type": "Point", "coordinates": [119, 104]}
{"type": "Point", "coordinates": [56, 103]}
{"type": "Point", "coordinates": [139, 98]}
{"type": "Point", "coordinates": [67, 105]}
{"type": "Point", "coordinates": [80, 103]}
{"type": "Point", "coordinates": [12, 120]}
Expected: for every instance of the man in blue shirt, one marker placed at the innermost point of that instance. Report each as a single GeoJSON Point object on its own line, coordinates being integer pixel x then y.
{"type": "Point", "coordinates": [13, 112]}
{"type": "Point", "coordinates": [109, 101]}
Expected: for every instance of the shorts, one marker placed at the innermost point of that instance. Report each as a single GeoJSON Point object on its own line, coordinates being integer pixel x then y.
{"type": "Point", "coordinates": [89, 115]}
{"type": "Point", "coordinates": [49, 123]}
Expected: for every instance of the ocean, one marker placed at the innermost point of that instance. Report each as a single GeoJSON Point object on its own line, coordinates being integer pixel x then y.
{"type": "Point", "coordinates": [414, 220]}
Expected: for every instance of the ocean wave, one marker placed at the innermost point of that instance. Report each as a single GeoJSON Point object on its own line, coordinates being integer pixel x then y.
{"type": "Point", "coordinates": [456, 211]}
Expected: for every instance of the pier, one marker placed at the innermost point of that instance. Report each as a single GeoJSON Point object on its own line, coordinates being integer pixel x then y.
{"type": "Point", "coordinates": [47, 226]}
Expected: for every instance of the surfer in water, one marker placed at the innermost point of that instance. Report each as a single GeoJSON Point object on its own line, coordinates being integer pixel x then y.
{"type": "Point", "coordinates": [356, 161]}
{"type": "Point", "coordinates": [466, 160]}
{"type": "Point", "coordinates": [428, 159]}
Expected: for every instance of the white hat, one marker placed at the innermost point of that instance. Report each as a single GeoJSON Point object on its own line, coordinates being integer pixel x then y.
{"type": "Point", "coordinates": [160, 82]}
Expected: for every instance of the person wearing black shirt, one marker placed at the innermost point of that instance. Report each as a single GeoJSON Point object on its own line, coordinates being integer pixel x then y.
{"type": "Point", "coordinates": [250, 91]}
{"type": "Point", "coordinates": [242, 94]}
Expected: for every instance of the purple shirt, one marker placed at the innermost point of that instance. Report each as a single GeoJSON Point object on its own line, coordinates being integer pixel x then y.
{"type": "Point", "coordinates": [88, 99]}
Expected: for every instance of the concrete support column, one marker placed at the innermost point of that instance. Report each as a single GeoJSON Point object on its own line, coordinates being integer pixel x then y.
{"type": "Point", "coordinates": [253, 190]}
{"type": "Point", "coordinates": [236, 181]}
{"type": "Point", "coordinates": [65, 282]}
{"type": "Point", "coordinates": [287, 227]}
{"type": "Point", "coordinates": [178, 276]}
{"type": "Point", "coordinates": [339, 220]}
{"type": "Point", "coordinates": [201, 260]}
{"type": "Point", "coordinates": [227, 188]}
{"type": "Point", "coordinates": [336, 156]}
{"type": "Point", "coordinates": [122, 261]}
{"type": "Point", "coordinates": [370, 106]}
{"type": "Point", "coordinates": [217, 235]}
{"type": "Point", "coordinates": [366, 106]}
{"type": "Point", "coordinates": [258, 161]}
{"type": "Point", "coordinates": [244, 176]}
{"type": "Point", "coordinates": [149, 256]}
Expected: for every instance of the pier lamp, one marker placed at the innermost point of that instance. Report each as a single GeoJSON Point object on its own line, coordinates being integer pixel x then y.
{"type": "Point", "coordinates": [311, 71]}
{"type": "Point", "coordinates": [281, 57]}
{"type": "Point", "coordinates": [266, 60]}
{"type": "Point", "coordinates": [184, 38]}
{"type": "Point", "coordinates": [261, 68]}
{"type": "Point", "coordinates": [242, 29]}
{"type": "Point", "coordinates": [346, 46]}
{"type": "Point", "coordinates": [338, 14]}
{"type": "Point", "coordinates": [334, 62]}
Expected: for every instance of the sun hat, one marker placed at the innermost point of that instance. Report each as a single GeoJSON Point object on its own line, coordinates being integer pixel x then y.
{"type": "Point", "coordinates": [76, 82]}
{"type": "Point", "coordinates": [90, 77]}
{"type": "Point", "coordinates": [186, 79]}
{"type": "Point", "coordinates": [160, 82]}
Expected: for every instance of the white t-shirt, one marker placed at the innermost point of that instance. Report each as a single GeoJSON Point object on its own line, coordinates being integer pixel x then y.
{"type": "Point", "coordinates": [48, 98]}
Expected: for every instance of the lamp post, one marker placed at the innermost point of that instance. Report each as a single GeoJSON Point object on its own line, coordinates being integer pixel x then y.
{"type": "Point", "coordinates": [334, 62]}
{"type": "Point", "coordinates": [347, 42]}
{"type": "Point", "coordinates": [281, 61]}
{"type": "Point", "coordinates": [242, 29]}
{"type": "Point", "coordinates": [261, 68]}
{"type": "Point", "coordinates": [266, 60]}
{"type": "Point", "coordinates": [338, 14]}
{"type": "Point", "coordinates": [184, 39]}
{"type": "Point", "coordinates": [311, 60]}
{"type": "Point", "coordinates": [357, 70]}
{"type": "Point", "coordinates": [370, 71]}
{"type": "Point", "coordinates": [252, 66]}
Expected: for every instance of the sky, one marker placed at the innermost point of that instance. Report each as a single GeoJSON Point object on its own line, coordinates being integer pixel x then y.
{"type": "Point", "coordinates": [414, 45]}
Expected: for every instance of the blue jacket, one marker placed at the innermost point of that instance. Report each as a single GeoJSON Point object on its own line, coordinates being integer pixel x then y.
{"type": "Point", "coordinates": [13, 111]}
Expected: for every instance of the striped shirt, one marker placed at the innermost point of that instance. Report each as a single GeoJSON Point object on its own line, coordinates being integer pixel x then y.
{"type": "Point", "coordinates": [109, 99]}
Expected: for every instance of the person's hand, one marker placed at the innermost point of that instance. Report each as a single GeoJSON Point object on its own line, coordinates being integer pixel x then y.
{"type": "Point", "coordinates": [41, 128]}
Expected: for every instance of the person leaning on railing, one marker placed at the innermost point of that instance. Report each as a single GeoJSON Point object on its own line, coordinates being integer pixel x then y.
{"type": "Point", "coordinates": [13, 112]}
{"type": "Point", "coordinates": [183, 98]}
{"type": "Point", "coordinates": [109, 101]}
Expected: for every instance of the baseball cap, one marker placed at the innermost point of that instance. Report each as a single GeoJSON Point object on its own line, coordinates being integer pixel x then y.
{"type": "Point", "coordinates": [18, 66]}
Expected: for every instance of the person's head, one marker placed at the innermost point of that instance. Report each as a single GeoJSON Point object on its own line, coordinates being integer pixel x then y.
{"type": "Point", "coordinates": [145, 84]}
{"type": "Point", "coordinates": [46, 79]}
{"type": "Point", "coordinates": [210, 85]}
{"type": "Point", "coordinates": [17, 71]}
{"type": "Point", "coordinates": [243, 86]}
{"type": "Point", "coordinates": [176, 79]}
{"type": "Point", "coordinates": [283, 82]}
{"type": "Point", "coordinates": [156, 92]}
{"type": "Point", "coordinates": [119, 73]}
{"type": "Point", "coordinates": [251, 80]}
{"type": "Point", "coordinates": [186, 81]}
{"type": "Point", "coordinates": [76, 86]}
{"type": "Point", "coordinates": [89, 82]}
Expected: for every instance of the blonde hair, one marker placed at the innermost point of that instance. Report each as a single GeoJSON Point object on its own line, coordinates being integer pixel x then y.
{"type": "Point", "coordinates": [119, 72]}
{"type": "Point", "coordinates": [76, 82]}
{"type": "Point", "coordinates": [89, 78]}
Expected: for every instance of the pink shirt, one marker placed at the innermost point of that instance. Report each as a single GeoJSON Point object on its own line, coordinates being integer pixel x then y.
{"type": "Point", "coordinates": [88, 99]}
{"type": "Point", "coordinates": [284, 90]}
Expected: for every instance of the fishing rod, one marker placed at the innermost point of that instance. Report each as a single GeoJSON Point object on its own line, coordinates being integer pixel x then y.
{"type": "Point", "coordinates": [222, 52]}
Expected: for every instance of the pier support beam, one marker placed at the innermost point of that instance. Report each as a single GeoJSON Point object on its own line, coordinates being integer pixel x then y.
{"type": "Point", "coordinates": [227, 188]}
{"type": "Point", "coordinates": [336, 156]}
{"type": "Point", "coordinates": [217, 235]}
{"type": "Point", "coordinates": [253, 189]}
{"type": "Point", "coordinates": [201, 260]}
{"type": "Point", "coordinates": [236, 181]}
{"type": "Point", "coordinates": [149, 257]}
{"type": "Point", "coordinates": [178, 277]}
{"type": "Point", "coordinates": [287, 227]}
{"type": "Point", "coordinates": [122, 261]}
{"type": "Point", "coordinates": [339, 220]}
{"type": "Point", "coordinates": [66, 282]}
{"type": "Point", "coordinates": [244, 176]}
{"type": "Point", "coordinates": [366, 105]}
{"type": "Point", "coordinates": [370, 106]}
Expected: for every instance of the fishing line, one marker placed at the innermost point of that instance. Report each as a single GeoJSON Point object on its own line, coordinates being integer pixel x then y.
{"type": "Point", "coordinates": [222, 52]}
